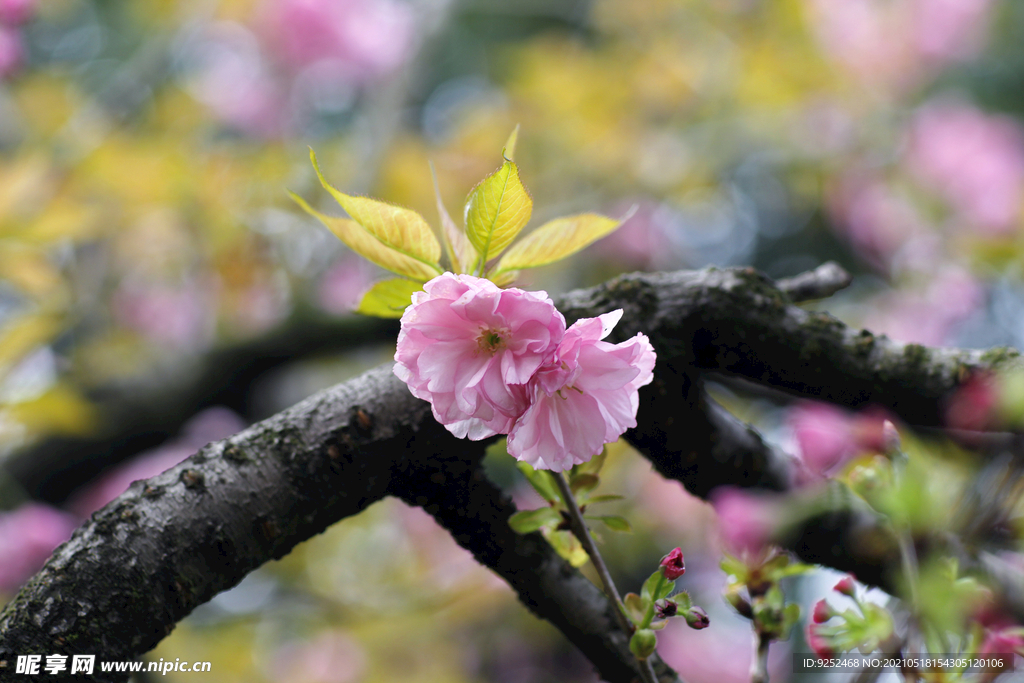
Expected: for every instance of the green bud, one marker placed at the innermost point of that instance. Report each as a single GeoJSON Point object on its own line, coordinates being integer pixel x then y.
{"type": "Point", "coordinates": [643, 643]}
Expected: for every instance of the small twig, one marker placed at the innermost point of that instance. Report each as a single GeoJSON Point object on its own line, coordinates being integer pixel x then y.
{"type": "Point", "coordinates": [579, 528]}
{"type": "Point", "coordinates": [820, 283]}
{"type": "Point", "coordinates": [759, 667]}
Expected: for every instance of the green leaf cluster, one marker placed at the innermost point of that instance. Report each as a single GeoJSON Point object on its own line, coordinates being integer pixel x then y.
{"type": "Point", "coordinates": [496, 212]}
{"type": "Point", "coordinates": [754, 591]}
{"type": "Point", "coordinates": [553, 521]}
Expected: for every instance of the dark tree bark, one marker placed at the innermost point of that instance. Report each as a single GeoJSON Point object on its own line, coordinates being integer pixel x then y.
{"type": "Point", "coordinates": [171, 543]}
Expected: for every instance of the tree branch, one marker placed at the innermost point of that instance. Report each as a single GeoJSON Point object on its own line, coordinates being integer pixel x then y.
{"type": "Point", "coordinates": [173, 542]}
{"type": "Point", "coordinates": [165, 546]}
{"type": "Point", "coordinates": [145, 413]}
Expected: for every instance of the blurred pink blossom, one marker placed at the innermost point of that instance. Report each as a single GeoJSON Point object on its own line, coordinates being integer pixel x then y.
{"type": "Point", "coordinates": [16, 12]}
{"type": "Point", "coordinates": [878, 221]}
{"type": "Point", "coordinates": [973, 405]}
{"type": "Point", "coordinates": [12, 51]}
{"type": "Point", "coordinates": [974, 160]}
{"type": "Point", "coordinates": [368, 37]}
{"type": "Point", "coordinates": [330, 657]}
{"type": "Point", "coordinates": [827, 435]}
{"type": "Point", "coordinates": [866, 36]}
{"type": "Point", "coordinates": [641, 243]}
{"type": "Point", "coordinates": [948, 31]}
{"type": "Point", "coordinates": [720, 654]}
{"type": "Point", "coordinates": [927, 316]}
{"type": "Point", "coordinates": [168, 315]}
{"type": "Point", "coordinates": [1003, 640]}
{"type": "Point", "coordinates": [345, 283]}
{"type": "Point", "coordinates": [235, 83]}
{"type": "Point", "coordinates": [28, 535]}
{"type": "Point", "coordinates": [209, 425]}
{"type": "Point", "coordinates": [895, 44]}
{"type": "Point", "coordinates": [746, 520]}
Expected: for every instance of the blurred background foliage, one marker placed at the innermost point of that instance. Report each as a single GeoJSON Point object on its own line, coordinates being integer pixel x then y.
{"type": "Point", "coordinates": [145, 149]}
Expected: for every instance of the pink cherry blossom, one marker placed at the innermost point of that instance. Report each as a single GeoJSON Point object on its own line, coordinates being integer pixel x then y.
{"type": "Point", "coordinates": [368, 37]}
{"type": "Point", "coordinates": [746, 521]}
{"type": "Point", "coordinates": [975, 160]}
{"type": "Point", "coordinates": [470, 348]}
{"type": "Point", "coordinates": [12, 51]}
{"type": "Point", "coordinates": [828, 436]}
{"type": "Point", "coordinates": [16, 12]}
{"type": "Point", "coordinates": [28, 536]}
{"type": "Point", "coordinates": [585, 397]}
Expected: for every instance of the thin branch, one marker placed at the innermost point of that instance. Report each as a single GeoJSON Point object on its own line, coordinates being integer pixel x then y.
{"type": "Point", "coordinates": [820, 283]}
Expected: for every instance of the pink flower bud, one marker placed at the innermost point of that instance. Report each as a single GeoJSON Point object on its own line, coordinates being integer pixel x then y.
{"type": "Point", "coordinates": [819, 643]}
{"type": "Point", "coordinates": [822, 612]}
{"type": "Point", "coordinates": [846, 586]}
{"type": "Point", "coordinates": [697, 618]}
{"type": "Point", "coordinates": [665, 609]}
{"type": "Point", "coordinates": [673, 565]}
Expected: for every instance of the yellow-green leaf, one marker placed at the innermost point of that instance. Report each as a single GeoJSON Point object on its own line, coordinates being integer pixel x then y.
{"type": "Point", "coordinates": [557, 239]}
{"type": "Point", "coordinates": [388, 298]}
{"type": "Point", "coordinates": [460, 252]}
{"type": "Point", "coordinates": [614, 522]}
{"type": "Point", "coordinates": [401, 229]}
{"type": "Point", "coordinates": [510, 145]}
{"type": "Point", "coordinates": [566, 545]}
{"type": "Point", "coordinates": [497, 210]}
{"type": "Point", "coordinates": [525, 521]}
{"type": "Point", "coordinates": [369, 247]}
{"type": "Point", "coordinates": [60, 410]}
{"type": "Point", "coordinates": [505, 278]}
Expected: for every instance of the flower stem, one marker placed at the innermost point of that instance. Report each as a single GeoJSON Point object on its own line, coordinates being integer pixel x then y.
{"type": "Point", "coordinates": [759, 667]}
{"type": "Point", "coordinates": [579, 528]}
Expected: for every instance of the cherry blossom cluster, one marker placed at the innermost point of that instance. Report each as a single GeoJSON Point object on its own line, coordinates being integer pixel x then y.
{"type": "Point", "coordinates": [501, 361]}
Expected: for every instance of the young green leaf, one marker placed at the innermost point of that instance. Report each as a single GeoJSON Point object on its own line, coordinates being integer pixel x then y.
{"type": "Point", "coordinates": [496, 211]}
{"type": "Point", "coordinates": [541, 481]}
{"type": "Point", "coordinates": [650, 588]}
{"type": "Point", "coordinates": [636, 607]}
{"type": "Point", "coordinates": [388, 298]}
{"type": "Point", "coordinates": [369, 247]}
{"type": "Point", "coordinates": [504, 279]}
{"type": "Point", "coordinates": [510, 145]}
{"type": "Point", "coordinates": [531, 520]}
{"type": "Point", "coordinates": [682, 600]}
{"type": "Point", "coordinates": [403, 230]}
{"type": "Point", "coordinates": [566, 545]}
{"type": "Point", "coordinates": [613, 522]}
{"type": "Point", "coordinates": [603, 498]}
{"type": "Point", "coordinates": [557, 239]}
{"type": "Point", "coordinates": [460, 252]}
